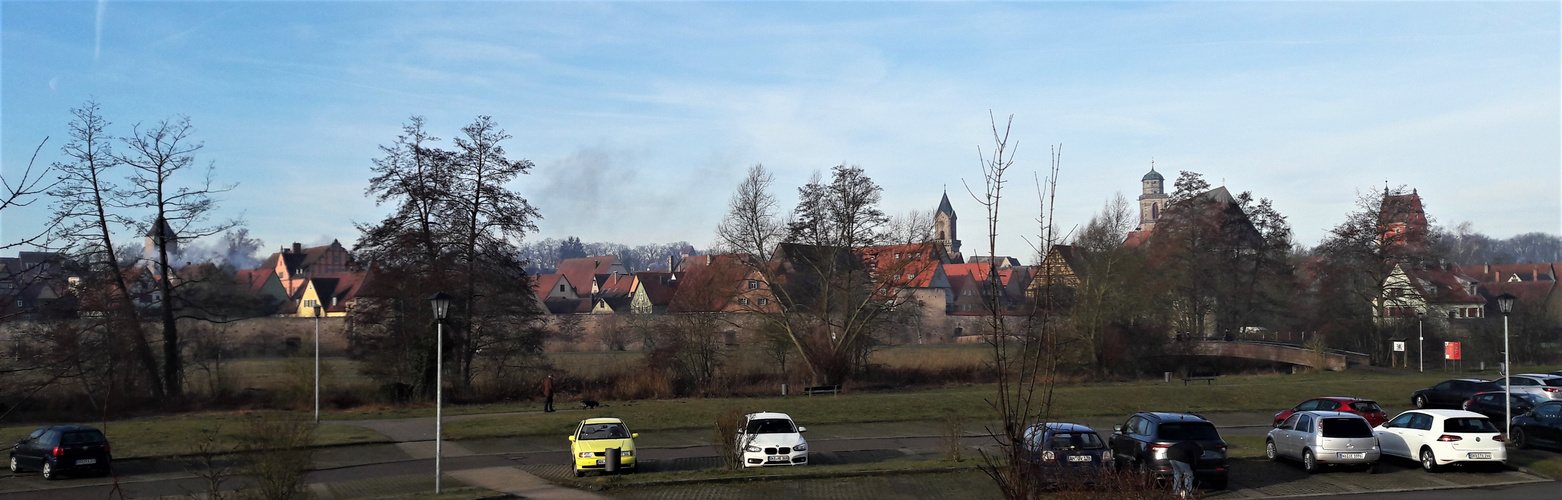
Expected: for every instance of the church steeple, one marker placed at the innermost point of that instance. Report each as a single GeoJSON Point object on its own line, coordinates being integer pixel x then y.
{"type": "Point", "coordinates": [1152, 198]}
{"type": "Point", "coordinates": [944, 227]}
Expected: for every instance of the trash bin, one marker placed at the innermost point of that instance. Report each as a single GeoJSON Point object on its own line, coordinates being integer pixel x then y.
{"type": "Point", "coordinates": [611, 460]}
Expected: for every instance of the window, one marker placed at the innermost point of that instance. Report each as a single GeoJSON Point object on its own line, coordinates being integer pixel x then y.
{"type": "Point", "coordinates": [743, 302]}
{"type": "Point", "coordinates": [753, 284]}
{"type": "Point", "coordinates": [764, 302]}
{"type": "Point", "coordinates": [561, 288]}
{"type": "Point", "coordinates": [19, 303]}
{"type": "Point", "coordinates": [310, 303]}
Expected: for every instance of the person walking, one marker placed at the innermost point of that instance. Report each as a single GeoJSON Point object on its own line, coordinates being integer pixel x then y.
{"type": "Point", "coordinates": [1183, 457]}
{"type": "Point", "coordinates": [547, 394]}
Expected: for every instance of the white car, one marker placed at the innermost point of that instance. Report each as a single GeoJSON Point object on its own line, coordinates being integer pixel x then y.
{"type": "Point", "coordinates": [769, 438]}
{"type": "Point", "coordinates": [1543, 385]}
{"type": "Point", "coordinates": [1441, 437]}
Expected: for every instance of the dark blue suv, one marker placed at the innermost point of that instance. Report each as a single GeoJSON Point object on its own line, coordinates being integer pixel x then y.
{"type": "Point", "coordinates": [1144, 440]}
{"type": "Point", "coordinates": [62, 449]}
{"type": "Point", "coordinates": [1059, 451]}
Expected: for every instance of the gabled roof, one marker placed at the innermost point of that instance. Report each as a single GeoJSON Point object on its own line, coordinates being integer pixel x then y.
{"type": "Point", "coordinates": [1443, 287]}
{"type": "Point", "coordinates": [616, 285]}
{"type": "Point", "coordinates": [1529, 293]}
{"type": "Point", "coordinates": [582, 271]}
{"type": "Point", "coordinates": [1510, 273]}
{"type": "Point", "coordinates": [543, 284]}
{"type": "Point", "coordinates": [659, 286]}
{"type": "Point", "coordinates": [978, 272]}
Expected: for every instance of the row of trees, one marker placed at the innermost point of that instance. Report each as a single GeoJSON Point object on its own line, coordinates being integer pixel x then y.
{"type": "Point", "coordinates": [542, 256]}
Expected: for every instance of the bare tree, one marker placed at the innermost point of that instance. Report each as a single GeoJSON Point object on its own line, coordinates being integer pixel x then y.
{"type": "Point", "coordinates": [22, 191]}
{"type": "Point", "coordinates": [752, 225]}
{"type": "Point", "coordinates": [84, 219]}
{"type": "Point", "coordinates": [160, 156]}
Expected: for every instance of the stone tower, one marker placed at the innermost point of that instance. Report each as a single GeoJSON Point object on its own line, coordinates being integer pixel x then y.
{"type": "Point", "coordinates": [1152, 201]}
{"type": "Point", "coordinates": [944, 225]}
{"type": "Point", "coordinates": [159, 234]}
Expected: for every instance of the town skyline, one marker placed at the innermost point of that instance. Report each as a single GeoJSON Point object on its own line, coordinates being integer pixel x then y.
{"type": "Point", "coordinates": [641, 118]}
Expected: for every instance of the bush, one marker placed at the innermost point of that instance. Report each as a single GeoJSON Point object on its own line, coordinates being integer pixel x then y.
{"type": "Point", "coordinates": [725, 437]}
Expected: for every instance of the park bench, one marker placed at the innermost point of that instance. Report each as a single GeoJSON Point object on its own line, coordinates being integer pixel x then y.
{"type": "Point", "coordinates": [1207, 377]}
{"type": "Point", "coordinates": [823, 389]}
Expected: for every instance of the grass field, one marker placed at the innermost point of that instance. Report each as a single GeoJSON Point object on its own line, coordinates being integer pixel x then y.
{"type": "Point", "coordinates": [173, 436]}
{"type": "Point", "coordinates": [1265, 393]}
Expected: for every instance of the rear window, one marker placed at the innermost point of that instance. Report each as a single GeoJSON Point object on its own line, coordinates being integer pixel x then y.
{"type": "Point", "coordinates": [1076, 441]}
{"type": "Point", "coordinates": [1366, 406]}
{"type": "Point", "coordinates": [1554, 382]}
{"type": "Point", "coordinates": [81, 437]}
{"type": "Point", "coordinates": [1468, 425]}
{"type": "Point", "coordinates": [1346, 428]}
{"type": "Point", "coordinates": [1189, 431]}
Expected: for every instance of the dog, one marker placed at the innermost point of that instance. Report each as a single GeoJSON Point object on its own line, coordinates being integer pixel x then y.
{"type": "Point", "coordinates": [590, 404]}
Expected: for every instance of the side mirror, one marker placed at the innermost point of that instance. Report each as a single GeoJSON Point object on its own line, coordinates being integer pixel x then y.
{"type": "Point", "coordinates": [634, 434]}
{"type": "Point", "coordinates": [1117, 429]}
{"type": "Point", "coordinates": [1277, 424]}
{"type": "Point", "coordinates": [572, 437]}
{"type": "Point", "coordinates": [802, 429]}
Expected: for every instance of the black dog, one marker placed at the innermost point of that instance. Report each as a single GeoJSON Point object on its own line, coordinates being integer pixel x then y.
{"type": "Point", "coordinates": [589, 404]}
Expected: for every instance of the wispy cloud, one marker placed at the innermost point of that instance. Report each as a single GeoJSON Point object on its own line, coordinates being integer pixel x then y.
{"type": "Point", "coordinates": [97, 38]}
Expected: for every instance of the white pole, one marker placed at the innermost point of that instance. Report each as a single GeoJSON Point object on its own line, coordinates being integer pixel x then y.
{"type": "Point", "coordinates": [1421, 344]}
{"type": "Point", "coordinates": [1507, 378]}
{"type": "Point", "coordinates": [317, 365]}
{"type": "Point", "coordinates": [439, 394]}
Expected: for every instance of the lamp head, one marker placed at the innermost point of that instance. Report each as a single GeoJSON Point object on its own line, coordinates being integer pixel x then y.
{"type": "Point", "coordinates": [441, 303]}
{"type": "Point", "coordinates": [1505, 303]}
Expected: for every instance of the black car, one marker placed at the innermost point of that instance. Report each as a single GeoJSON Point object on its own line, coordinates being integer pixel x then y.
{"type": "Point", "coordinates": [1142, 442]}
{"type": "Point", "coordinates": [1059, 452]}
{"type": "Point", "coordinates": [62, 449]}
{"type": "Point", "coordinates": [1541, 426]}
{"type": "Point", "coordinates": [1451, 393]}
{"type": "Point", "coordinates": [1490, 404]}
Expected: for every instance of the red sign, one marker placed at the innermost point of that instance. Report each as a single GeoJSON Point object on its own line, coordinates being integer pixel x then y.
{"type": "Point", "coordinates": [1451, 350]}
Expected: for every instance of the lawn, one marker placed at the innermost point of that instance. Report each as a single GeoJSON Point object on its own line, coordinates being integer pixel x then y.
{"type": "Point", "coordinates": [175, 436]}
{"type": "Point", "coordinates": [1256, 393]}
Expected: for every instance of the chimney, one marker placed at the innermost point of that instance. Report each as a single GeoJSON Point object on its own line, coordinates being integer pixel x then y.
{"type": "Point", "coordinates": [1488, 268]}
{"type": "Point", "coordinates": [298, 247]}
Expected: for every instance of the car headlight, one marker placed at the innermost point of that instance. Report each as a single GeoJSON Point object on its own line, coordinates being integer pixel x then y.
{"type": "Point", "coordinates": [1048, 456]}
{"type": "Point", "coordinates": [585, 454]}
{"type": "Point", "coordinates": [751, 449]}
{"type": "Point", "coordinates": [800, 447]}
{"type": "Point", "coordinates": [627, 453]}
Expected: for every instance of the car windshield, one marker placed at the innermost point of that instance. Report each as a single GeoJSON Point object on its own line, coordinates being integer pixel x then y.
{"type": "Point", "coordinates": [1346, 428]}
{"type": "Point", "coordinates": [603, 431]}
{"type": "Point", "coordinates": [1183, 431]}
{"type": "Point", "coordinates": [1529, 398]}
{"type": "Point", "coordinates": [1468, 425]}
{"type": "Point", "coordinates": [81, 437]}
{"type": "Point", "coordinates": [771, 426]}
{"type": "Point", "coordinates": [1366, 406]}
{"type": "Point", "coordinates": [1076, 441]}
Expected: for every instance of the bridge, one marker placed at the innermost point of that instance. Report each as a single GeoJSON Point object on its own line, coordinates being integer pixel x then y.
{"type": "Point", "coordinates": [1328, 359]}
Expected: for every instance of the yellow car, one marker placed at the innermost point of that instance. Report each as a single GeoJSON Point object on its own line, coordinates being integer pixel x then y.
{"type": "Point", "coordinates": [593, 437]}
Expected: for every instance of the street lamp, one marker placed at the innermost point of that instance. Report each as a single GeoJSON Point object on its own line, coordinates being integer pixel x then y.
{"type": "Point", "coordinates": [317, 362]}
{"type": "Point", "coordinates": [441, 303]}
{"type": "Point", "coordinates": [1505, 304]}
{"type": "Point", "coordinates": [1421, 341]}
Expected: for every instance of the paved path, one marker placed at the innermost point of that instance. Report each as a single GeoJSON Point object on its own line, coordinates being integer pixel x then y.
{"type": "Point", "coordinates": [520, 483]}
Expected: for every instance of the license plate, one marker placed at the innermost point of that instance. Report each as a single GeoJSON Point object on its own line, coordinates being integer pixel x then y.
{"type": "Point", "coordinates": [87, 461]}
{"type": "Point", "coordinates": [777, 458]}
{"type": "Point", "coordinates": [1079, 458]}
{"type": "Point", "coordinates": [1480, 456]}
{"type": "Point", "coordinates": [1352, 456]}
{"type": "Point", "coordinates": [1211, 454]}
{"type": "Point", "coordinates": [601, 461]}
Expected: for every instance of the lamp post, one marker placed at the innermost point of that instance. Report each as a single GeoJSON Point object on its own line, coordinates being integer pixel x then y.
{"type": "Point", "coordinates": [317, 363]}
{"type": "Point", "coordinates": [1505, 304]}
{"type": "Point", "coordinates": [441, 303]}
{"type": "Point", "coordinates": [1421, 341]}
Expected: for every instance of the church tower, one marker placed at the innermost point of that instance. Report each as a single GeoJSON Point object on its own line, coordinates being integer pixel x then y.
{"type": "Point", "coordinates": [158, 235]}
{"type": "Point", "coordinates": [944, 227]}
{"type": "Point", "coordinates": [1152, 201]}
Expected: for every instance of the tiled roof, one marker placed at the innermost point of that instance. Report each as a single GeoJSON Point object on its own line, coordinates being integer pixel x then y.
{"type": "Point", "coordinates": [1528, 292]}
{"type": "Point", "coordinates": [583, 271]}
{"type": "Point", "coordinates": [659, 286]}
{"type": "Point", "coordinates": [1443, 287]}
{"type": "Point", "coordinates": [616, 285]}
{"type": "Point", "coordinates": [1136, 239]}
{"type": "Point", "coordinates": [1503, 273]}
{"type": "Point", "coordinates": [544, 284]}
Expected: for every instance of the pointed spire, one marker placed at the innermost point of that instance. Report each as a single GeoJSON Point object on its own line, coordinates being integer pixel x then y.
{"type": "Point", "coordinates": [943, 205]}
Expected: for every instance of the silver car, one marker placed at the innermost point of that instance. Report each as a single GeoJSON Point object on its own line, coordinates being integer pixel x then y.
{"type": "Point", "coordinates": [1543, 385]}
{"type": "Point", "coordinates": [1322, 438]}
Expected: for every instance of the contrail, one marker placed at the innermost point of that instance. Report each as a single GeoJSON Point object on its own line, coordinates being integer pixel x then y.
{"type": "Point", "coordinates": [97, 42]}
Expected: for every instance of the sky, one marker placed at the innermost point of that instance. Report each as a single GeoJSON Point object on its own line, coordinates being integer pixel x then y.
{"type": "Point", "coordinates": [641, 117]}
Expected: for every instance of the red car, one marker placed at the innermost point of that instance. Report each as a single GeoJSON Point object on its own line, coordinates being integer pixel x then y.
{"type": "Point", "coordinates": [1367, 408]}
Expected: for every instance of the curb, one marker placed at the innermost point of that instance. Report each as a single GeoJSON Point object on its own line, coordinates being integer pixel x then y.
{"type": "Point", "coordinates": [742, 479]}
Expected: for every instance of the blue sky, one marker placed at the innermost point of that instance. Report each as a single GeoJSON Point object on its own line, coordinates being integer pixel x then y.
{"type": "Point", "coordinates": [641, 117]}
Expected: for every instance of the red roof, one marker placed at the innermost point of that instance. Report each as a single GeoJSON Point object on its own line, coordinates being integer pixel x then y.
{"type": "Point", "coordinates": [1136, 239]}
{"type": "Point", "coordinates": [544, 284]}
{"type": "Point", "coordinates": [583, 271]}
{"type": "Point", "coordinates": [1503, 273]}
{"type": "Point", "coordinates": [1444, 287]}
{"type": "Point", "coordinates": [659, 286]}
{"type": "Point", "coordinates": [617, 285]}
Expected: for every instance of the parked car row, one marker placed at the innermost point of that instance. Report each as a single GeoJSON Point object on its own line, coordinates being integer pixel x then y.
{"type": "Point", "coordinates": [1457, 392]}
{"type": "Point", "coordinates": [765, 439]}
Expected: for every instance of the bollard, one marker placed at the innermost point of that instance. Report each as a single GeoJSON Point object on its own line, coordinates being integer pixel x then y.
{"type": "Point", "coordinates": [1168, 377]}
{"type": "Point", "coordinates": [611, 461]}
{"type": "Point", "coordinates": [783, 389]}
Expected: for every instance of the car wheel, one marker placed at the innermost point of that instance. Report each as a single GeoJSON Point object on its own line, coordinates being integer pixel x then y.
{"type": "Point", "coordinates": [48, 471]}
{"type": "Point", "coordinates": [1428, 460]}
{"type": "Point", "coordinates": [1420, 402]}
{"type": "Point", "coordinates": [1309, 462]}
{"type": "Point", "coordinates": [1520, 441]}
{"type": "Point", "coordinates": [1465, 406]}
{"type": "Point", "coordinates": [1270, 451]}
{"type": "Point", "coordinates": [15, 467]}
